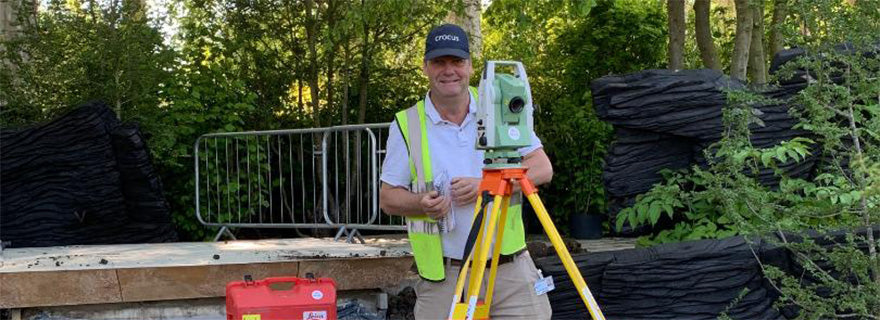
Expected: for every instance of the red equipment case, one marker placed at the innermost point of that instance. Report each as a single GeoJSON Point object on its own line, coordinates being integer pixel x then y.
{"type": "Point", "coordinates": [283, 298]}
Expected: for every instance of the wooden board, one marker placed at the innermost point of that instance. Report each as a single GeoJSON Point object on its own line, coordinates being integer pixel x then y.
{"type": "Point", "coordinates": [187, 254]}
{"type": "Point", "coordinates": [360, 273]}
{"type": "Point", "coordinates": [58, 288]}
{"type": "Point", "coordinates": [148, 284]}
{"type": "Point", "coordinates": [71, 275]}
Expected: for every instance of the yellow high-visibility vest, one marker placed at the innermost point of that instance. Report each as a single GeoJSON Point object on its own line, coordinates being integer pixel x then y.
{"type": "Point", "coordinates": [424, 232]}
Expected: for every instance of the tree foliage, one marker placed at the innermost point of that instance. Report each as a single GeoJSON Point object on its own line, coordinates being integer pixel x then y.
{"type": "Point", "coordinates": [560, 44]}
{"type": "Point", "coordinates": [75, 52]}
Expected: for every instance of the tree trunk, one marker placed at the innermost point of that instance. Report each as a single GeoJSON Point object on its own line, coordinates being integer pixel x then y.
{"type": "Point", "coordinates": [331, 69]}
{"type": "Point", "coordinates": [311, 35]}
{"type": "Point", "coordinates": [862, 184]}
{"type": "Point", "coordinates": [346, 81]}
{"type": "Point", "coordinates": [740, 59]}
{"type": "Point", "coordinates": [362, 95]}
{"type": "Point", "coordinates": [704, 35]}
{"type": "Point", "coordinates": [8, 30]}
{"type": "Point", "coordinates": [780, 12]}
{"type": "Point", "coordinates": [470, 22]}
{"type": "Point", "coordinates": [8, 19]}
{"type": "Point", "coordinates": [757, 69]}
{"type": "Point", "coordinates": [299, 97]}
{"type": "Point", "coordinates": [675, 16]}
{"type": "Point", "coordinates": [11, 11]}
{"type": "Point", "coordinates": [330, 56]}
{"type": "Point", "coordinates": [118, 93]}
{"type": "Point", "coordinates": [364, 78]}
{"type": "Point", "coordinates": [330, 75]}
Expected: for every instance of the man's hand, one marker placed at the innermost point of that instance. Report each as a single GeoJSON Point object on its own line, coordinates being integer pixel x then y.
{"type": "Point", "coordinates": [465, 190]}
{"type": "Point", "coordinates": [434, 205]}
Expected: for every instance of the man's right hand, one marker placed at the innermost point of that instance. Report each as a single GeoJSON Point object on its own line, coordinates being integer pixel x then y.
{"type": "Point", "coordinates": [434, 205]}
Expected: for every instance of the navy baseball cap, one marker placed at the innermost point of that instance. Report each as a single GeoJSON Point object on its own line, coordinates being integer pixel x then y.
{"type": "Point", "coordinates": [447, 40]}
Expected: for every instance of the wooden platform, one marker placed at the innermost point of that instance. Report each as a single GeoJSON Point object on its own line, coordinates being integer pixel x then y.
{"type": "Point", "coordinates": [108, 274]}
{"type": "Point", "coordinates": [76, 275]}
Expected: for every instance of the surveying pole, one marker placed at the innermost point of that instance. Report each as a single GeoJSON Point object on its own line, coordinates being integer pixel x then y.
{"type": "Point", "coordinates": [504, 124]}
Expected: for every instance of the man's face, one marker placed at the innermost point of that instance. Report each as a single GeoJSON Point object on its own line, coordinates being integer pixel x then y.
{"type": "Point", "coordinates": [448, 75]}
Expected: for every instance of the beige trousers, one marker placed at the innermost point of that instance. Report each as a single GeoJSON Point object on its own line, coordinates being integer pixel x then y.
{"type": "Point", "coordinates": [514, 296]}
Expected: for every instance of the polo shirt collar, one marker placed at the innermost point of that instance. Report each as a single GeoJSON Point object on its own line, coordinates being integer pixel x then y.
{"type": "Point", "coordinates": [435, 117]}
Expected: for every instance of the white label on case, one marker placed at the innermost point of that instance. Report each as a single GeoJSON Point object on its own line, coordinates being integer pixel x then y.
{"type": "Point", "coordinates": [315, 315]}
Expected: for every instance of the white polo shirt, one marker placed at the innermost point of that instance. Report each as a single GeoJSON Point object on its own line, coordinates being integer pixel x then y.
{"type": "Point", "coordinates": [452, 151]}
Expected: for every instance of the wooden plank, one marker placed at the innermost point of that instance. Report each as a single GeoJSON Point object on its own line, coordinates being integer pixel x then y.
{"type": "Point", "coordinates": [124, 256]}
{"type": "Point", "coordinates": [98, 274]}
{"type": "Point", "coordinates": [150, 284]}
{"type": "Point", "coordinates": [31, 289]}
{"type": "Point", "coordinates": [353, 274]}
{"type": "Point", "coordinates": [87, 274]}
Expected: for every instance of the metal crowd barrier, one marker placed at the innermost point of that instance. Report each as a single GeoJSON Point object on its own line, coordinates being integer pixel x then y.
{"type": "Point", "coordinates": [300, 178]}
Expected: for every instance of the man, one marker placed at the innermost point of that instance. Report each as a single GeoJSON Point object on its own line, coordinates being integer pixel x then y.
{"type": "Point", "coordinates": [445, 122]}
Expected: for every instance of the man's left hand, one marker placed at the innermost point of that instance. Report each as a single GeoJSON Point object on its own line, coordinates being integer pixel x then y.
{"type": "Point", "coordinates": [465, 190]}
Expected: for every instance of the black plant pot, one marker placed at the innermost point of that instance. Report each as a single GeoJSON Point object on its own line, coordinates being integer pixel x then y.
{"type": "Point", "coordinates": [585, 226]}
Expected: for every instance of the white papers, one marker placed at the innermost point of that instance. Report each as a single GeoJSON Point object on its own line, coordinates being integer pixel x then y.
{"type": "Point", "coordinates": [443, 186]}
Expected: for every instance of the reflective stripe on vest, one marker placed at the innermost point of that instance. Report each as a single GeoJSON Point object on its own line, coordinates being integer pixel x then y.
{"type": "Point", "coordinates": [423, 232]}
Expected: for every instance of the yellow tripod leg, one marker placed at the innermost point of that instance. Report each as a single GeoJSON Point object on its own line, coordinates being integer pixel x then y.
{"type": "Point", "coordinates": [462, 274]}
{"type": "Point", "coordinates": [573, 272]}
{"type": "Point", "coordinates": [496, 251]}
{"type": "Point", "coordinates": [480, 261]}
{"type": "Point", "coordinates": [471, 279]}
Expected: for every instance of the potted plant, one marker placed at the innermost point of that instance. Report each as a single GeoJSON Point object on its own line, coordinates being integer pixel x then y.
{"type": "Point", "coordinates": [585, 222]}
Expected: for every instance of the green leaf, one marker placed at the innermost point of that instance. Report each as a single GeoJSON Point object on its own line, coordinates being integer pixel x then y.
{"type": "Point", "coordinates": [856, 195]}
{"type": "Point", "coordinates": [725, 233]}
{"type": "Point", "coordinates": [766, 159]}
{"type": "Point", "coordinates": [809, 189]}
{"type": "Point", "coordinates": [871, 133]}
{"type": "Point", "coordinates": [654, 213]}
{"type": "Point", "coordinates": [621, 219]}
{"type": "Point", "coordinates": [585, 6]}
{"type": "Point", "coordinates": [669, 211]}
{"type": "Point", "coordinates": [698, 233]}
{"type": "Point", "coordinates": [631, 216]}
{"type": "Point", "coordinates": [759, 122]}
{"type": "Point", "coordinates": [740, 156]}
{"type": "Point", "coordinates": [845, 198]}
{"type": "Point", "coordinates": [780, 154]}
{"type": "Point", "coordinates": [793, 155]}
